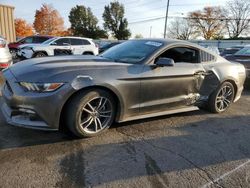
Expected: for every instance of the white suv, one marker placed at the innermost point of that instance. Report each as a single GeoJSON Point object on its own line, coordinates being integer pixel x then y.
{"type": "Point", "coordinates": [59, 46]}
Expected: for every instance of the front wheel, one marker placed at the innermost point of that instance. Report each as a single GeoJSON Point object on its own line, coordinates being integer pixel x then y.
{"type": "Point", "coordinates": [13, 53]}
{"type": "Point", "coordinates": [90, 113]}
{"type": "Point", "coordinates": [221, 98]}
{"type": "Point", "coordinates": [40, 54]}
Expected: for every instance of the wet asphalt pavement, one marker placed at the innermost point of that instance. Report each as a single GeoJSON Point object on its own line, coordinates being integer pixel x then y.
{"type": "Point", "coordinates": [194, 149]}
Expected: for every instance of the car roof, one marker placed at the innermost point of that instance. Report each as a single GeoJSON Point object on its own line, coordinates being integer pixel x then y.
{"type": "Point", "coordinates": [173, 41]}
{"type": "Point", "coordinates": [167, 42]}
{"type": "Point", "coordinates": [75, 37]}
{"type": "Point", "coordinates": [47, 36]}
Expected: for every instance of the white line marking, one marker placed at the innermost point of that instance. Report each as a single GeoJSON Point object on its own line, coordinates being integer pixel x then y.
{"type": "Point", "coordinates": [226, 174]}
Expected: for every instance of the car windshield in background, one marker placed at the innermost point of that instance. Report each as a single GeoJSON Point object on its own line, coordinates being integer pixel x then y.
{"type": "Point", "coordinates": [48, 41]}
{"type": "Point", "coordinates": [244, 51]}
{"type": "Point", "coordinates": [132, 51]}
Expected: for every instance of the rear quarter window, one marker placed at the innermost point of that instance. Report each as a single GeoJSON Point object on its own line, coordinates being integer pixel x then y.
{"type": "Point", "coordinates": [39, 39]}
{"type": "Point", "coordinates": [76, 42]}
{"type": "Point", "coordinates": [86, 42]}
{"type": "Point", "coordinates": [207, 57]}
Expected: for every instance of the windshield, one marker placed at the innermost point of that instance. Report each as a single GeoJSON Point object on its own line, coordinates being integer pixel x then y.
{"type": "Point", "coordinates": [132, 51]}
{"type": "Point", "coordinates": [49, 40]}
{"type": "Point", "coordinates": [106, 45]}
{"type": "Point", "coordinates": [244, 51]}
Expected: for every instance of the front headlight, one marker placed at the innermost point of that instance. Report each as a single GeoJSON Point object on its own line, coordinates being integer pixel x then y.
{"type": "Point", "coordinates": [40, 87]}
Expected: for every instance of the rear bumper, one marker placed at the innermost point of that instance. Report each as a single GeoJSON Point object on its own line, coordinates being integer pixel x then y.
{"type": "Point", "coordinates": [240, 85]}
{"type": "Point", "coordinates": [5, 62]}
{"type": "Point", "coordinates": [238, 94]}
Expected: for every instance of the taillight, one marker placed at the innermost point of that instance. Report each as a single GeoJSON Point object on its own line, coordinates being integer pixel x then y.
{"type": "Point", "coordinates": [4, 65]}
{"type": "Point", "coordinates": [2, 43]}
{"type": "Point", "coordinates": [96, 45]}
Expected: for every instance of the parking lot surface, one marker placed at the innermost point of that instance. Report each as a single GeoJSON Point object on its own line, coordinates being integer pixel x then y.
{"type": "Point", "coordinates": [194, 149]}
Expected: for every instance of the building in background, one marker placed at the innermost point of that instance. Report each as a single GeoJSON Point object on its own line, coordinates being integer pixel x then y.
{"type": "Point", "coordinates": [7, 26]}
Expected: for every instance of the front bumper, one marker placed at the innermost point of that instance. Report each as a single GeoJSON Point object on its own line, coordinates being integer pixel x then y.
{"type": "Point", "coordinates": [32, 110]}
{"type": "Point", "coordinates": [26, 54]}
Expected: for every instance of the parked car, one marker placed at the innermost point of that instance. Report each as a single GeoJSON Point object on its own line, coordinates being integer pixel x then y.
{"type": "Point", "coordinates": [133, 80]}
{"type": "Point", "coordinates": [108, 45]}
{"type": "Point", "coordinates": [243, 57]}
{"type": "Point", "coordinates": [37, 39]}
{"type": "Point", "coordinates": [5, 56]}
{"type": "Point", "coordinates": [59, 46]}
{"type": "Point", "coordinates": [232, 50]}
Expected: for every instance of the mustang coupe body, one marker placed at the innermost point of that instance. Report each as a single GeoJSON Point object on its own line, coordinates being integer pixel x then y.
{"type": "Point", "coordinates": [136, 79]}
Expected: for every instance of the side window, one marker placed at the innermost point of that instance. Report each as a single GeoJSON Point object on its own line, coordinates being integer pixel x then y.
{"type": "Point", "coordinates": [182, 54]}
{"type": "Point", "coordinates": [85, 42]}
{"type": "Point", "coordinates": [76, 42]}
{"type": "Point", "coordinates": [62, 42]}
{"type": "Point", "coordinates": [39, 39]}
{"type": "Point", "coordinates": [206, 57]}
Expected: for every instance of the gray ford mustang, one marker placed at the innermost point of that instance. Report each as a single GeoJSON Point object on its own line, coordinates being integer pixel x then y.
{"type": "Point", "coordinates": [136, 79]}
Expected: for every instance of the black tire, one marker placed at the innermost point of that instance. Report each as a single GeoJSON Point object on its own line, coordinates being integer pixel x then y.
{"type": "Point", "coordinates": [40, 54]}
{"type": "Point", "coordinates": [76, 114]}
{"type": "Point", "coordinates": [87, 53]}
{"type": "Point", "coordinates": [217, 102]}
{"type": "Point", "coordinates": [13, 53]}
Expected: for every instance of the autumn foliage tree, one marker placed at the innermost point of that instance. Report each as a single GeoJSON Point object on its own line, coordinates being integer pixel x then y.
{"type": "Point", "coordinates": [23, 29]}
{"type": "Point", "coordinates": [48, 21]}
{"type": "Point", "coordinates": [209, 22]}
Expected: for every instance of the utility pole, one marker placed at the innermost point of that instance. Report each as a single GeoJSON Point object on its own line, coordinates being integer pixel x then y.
{"type": "Point", "coordinates": [166, 20]}
{"type": "Point", "coordinates": [150, 31]}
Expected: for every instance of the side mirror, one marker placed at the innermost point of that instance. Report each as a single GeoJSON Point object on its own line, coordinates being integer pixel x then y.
{"type": "Point", "coordinates": [163, 61]}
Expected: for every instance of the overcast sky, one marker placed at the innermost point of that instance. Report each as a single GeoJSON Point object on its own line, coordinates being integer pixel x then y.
{"type": "Point", "coordinates": [135, 11]}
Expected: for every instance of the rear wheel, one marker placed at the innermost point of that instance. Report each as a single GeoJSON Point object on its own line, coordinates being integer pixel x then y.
{"type": "Point", "coordinates": [90, 113]}
{"type": "Point", "coordinates": [221, 98]}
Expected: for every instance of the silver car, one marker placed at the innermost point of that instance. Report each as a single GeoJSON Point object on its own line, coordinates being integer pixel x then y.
{"type": "Point", "coordinates": [133, 80]}
{"type": "Point", "coordinates": [5, 56]}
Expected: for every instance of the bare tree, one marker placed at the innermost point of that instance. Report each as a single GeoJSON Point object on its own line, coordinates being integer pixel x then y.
{"type": "Point", "coordinates": [180, 28]}
{"type": "Point", "coordinates": [209, 22]}
{"type": "Point", "coordinates": [237, 15]}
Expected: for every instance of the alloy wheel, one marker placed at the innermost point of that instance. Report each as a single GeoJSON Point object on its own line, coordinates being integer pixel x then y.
{"type": "Point", "coordinates": [224, 98]}
{"type": "Point", "coordinates": [96, 115]}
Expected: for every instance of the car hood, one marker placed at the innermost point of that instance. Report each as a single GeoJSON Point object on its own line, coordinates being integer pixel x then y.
{"type": "Point", "coordinates": [28, 45]}
{"type": "Point", "coordinates": [62, 68]}
{"type": "Point", "coordinates": [13, 45]}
